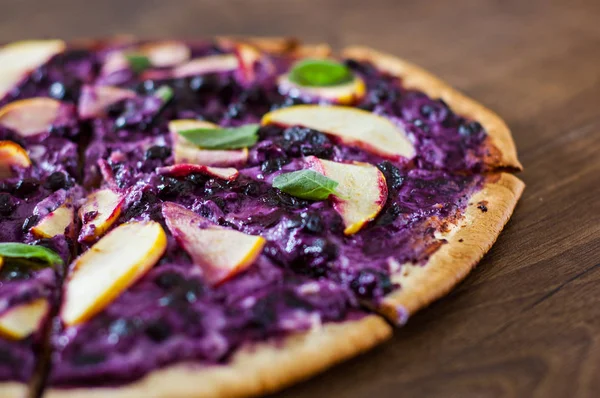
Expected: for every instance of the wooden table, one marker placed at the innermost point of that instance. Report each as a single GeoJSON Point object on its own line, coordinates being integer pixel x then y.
{"type": "Point", "coordinates": [526, 322]}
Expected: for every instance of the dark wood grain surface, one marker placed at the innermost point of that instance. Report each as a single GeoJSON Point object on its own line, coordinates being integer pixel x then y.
{"type": "Point", "coordinates": [526, 322]}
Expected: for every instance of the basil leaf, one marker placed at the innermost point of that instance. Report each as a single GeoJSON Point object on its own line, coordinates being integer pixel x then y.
{"type": "Point", "coordinates": [138, 62]}
{"type": "Point", "coordinates": [21, 250]}
{"type": "Point", "coordinates": [165, 93]}
{"type": "Point", "coordinates": [320, 73]}
{"type": "Point", "coordinates": [223, 138]}
{"type": "Point", "coordinates": [305, 184]}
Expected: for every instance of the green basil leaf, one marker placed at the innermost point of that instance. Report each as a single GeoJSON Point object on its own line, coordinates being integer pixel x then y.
{"type": "Point", "coordinates": [320, 73]}
{"type": "Point", "coordinates": [21, 250]}
{"type": "Point", "coordinates": [305, 184]}
{"type": "Point", "coordinates": [223, 138]}
{"type": "Point", "coordinates": [165, 93]}
{"type": "Point", "coordinates": [138, 62]}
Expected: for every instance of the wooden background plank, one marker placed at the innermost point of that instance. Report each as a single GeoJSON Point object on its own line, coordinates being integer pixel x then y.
{"type": "Point", "coordinates": [526, 323]}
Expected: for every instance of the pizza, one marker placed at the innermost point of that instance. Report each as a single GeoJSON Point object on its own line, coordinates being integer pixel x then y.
{"type": "Point", "coordinates": [227, 217]}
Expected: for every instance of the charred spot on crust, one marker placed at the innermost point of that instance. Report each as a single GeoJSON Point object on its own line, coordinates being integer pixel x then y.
{"type": "Point", "coordinates": [482, 205]}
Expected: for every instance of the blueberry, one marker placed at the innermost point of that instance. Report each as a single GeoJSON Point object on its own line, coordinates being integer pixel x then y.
{"type": "Point", "coordinates": [426, 110]}
{"type": "Point", "coordinates": [57, 90]}
{"type": "Point", "coordinates": [469, 129]}
{"type": "Point", "coordinates": [158, 331]}
{"type": "Point", "coordinates": [251, 189]}
{"type": "Point", "coordinates": [196, 83]}
{"type": "Point", "coordinates": [193, 289]}
{"type": "Point", "coordinates": [57, 180]}
{"type": "Point", "coordinates": [171, 188]}
{"type": "Point", "coordinates": [235, 111]}
{"type": "Point", "coordinates": [26, 186]}
{"type": "Point", "coordinates": [169, 280]}
{"type": "Point", "coordinates": [272, 165]}
{"type": "Point", "coordinates": [313, 257]}
{"type": "Point", "coordinates": [275, 197]}
{"type": "Point", "coordinates": [121, 327]}
{"type": "Point", "coordinates": [29, 222]}
{"type": "Point", "coordinates": [158, 152]}
{"type": "Point", "coordinates": [197, 179]}
{"type": "Point", "coordinates": [371, 283]}
{"type": "Point", "coordinates": [389, 215]}
{"type": "Point", "coordinates": [144, 205]}
{"type": "Point", "coordinates": [393, 176]}
{"type": "Point", "coordinates": [7, 204]}
{"type": "Point", "coordinates": [312, 222]}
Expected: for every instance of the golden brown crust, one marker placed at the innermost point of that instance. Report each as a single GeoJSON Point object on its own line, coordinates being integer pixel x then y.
{"type": "Point", "coordinates": [14, 390]}
{"type": "Point", "coordinates": [502, 151]}
{"type": "Point", "coordinates": [265, 368]}
{"type": "Point", "coordinates": [468, 241]}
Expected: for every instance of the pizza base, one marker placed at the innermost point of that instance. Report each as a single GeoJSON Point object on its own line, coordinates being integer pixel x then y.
{"type": "Point", "coordinates": [267, 367]}
{"type": "Point", "coordinates": [468, 241]}
{"type": "Point", "coordinates": [14, 390]}
{"type": "Point", "coordinates": [264, 368]}
{"type": "Point", "coordinates": [502, 151]}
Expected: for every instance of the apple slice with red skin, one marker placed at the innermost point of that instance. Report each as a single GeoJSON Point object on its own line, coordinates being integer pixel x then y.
{"type": "Point", "coordinates": [343, 94]}
{"type": "Point", "coordinates": [186, 152]}
{"type": "Point", "coordinates": [98, 213]}
{"type": "Point", "coordinates": [208, 64]}
{"type": "Point", "coordinates": [12, 155]}
{"type": "Point", "coordinates": [183, 170]}
{"type": "Point", "coordinates": [55, 223]}
{"type": "Point", "coordinates": [361, 192]}
{"type": "Point", "coordinates": [20, 58]}
{"type": "Point", "coordinates": [30, 116]}
{"type": "Point", "coordinates": [165, 53]}
{"type": "Point", "coordinates": [24, 319]}
{"type": "Point", "coordinates": [220, 252]}
{"type": "Point", "coordinates": [94, 100]}
{"type": "Point", "coordinates": [352, 126]}
{"type": "Point", "coordinates": [109, 267]}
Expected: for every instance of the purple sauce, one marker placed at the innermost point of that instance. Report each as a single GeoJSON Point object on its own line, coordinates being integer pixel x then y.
{"type": "Point", "coordinates": [309, 272]}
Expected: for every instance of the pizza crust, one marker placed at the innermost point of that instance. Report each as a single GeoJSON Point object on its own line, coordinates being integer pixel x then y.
{"type": "Point", "coordinates": [487, 212]}
{"type": "Point", "coordinates": [285, 46]}
{"type": "Point", "coordinates": [267, 367]}
{"type": "Point", "coordinates": [262, 369]}
{"type": "Point", "coordinates": [14, 390]}
{"type": "Point", "coordinates": [502, 151]}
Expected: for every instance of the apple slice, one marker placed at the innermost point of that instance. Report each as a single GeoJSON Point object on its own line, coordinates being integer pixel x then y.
{"type": "Point", "coordinates": [55, 222]}
{"type": "Point", "coordinates": [98, 213]}
{"type": "Point", "coordinates": [165, 53]}
{"type": "Point", "coordinates": [12, 155]}
{"type": "Point", "coordinates": [186, 152]}
{"type": "Point", "coordinates": [24, 319]}
{"type": "Point", "coordinates": [343, 94]}
{"type": "Point", "coordinates": [208, 64]}
{"type": "Point", "coordinates": [220, 252]}
{"type": "Point", "coordinates": [183, 170]}
{"type": "Point", "coordinates": [352, 126]}
{"type": "Point", "coordinates": [95, 99]}
{"type": "Point", "coordinates": [19, 58]}
{"type": "Point", "coordinates": [109, 267]}
{"type": "Point", "coordinates": [30, 116]}
{"type": "Point", "coordinates": [362, 190]}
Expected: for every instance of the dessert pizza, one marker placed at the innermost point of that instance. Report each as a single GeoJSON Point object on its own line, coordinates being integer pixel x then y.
{"type": "Point", "coordinates": [224, 218]}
